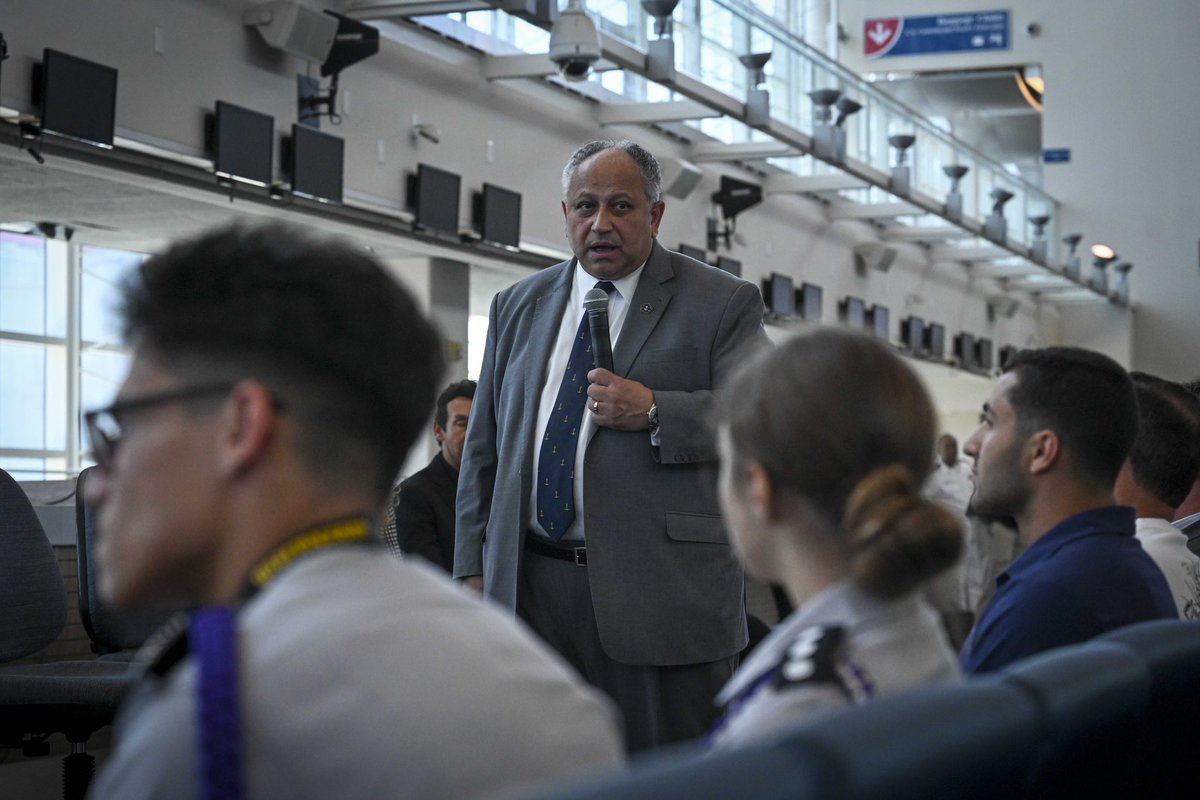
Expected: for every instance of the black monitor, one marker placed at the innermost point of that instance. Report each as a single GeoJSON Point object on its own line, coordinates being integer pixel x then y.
{"type": "Point", "coordinates": [852, 311]}
{"type": "Point", "coordinates": [314, 163]}
{"type": "Point", "coordinates": [964, 350]}
{"type": "Point", "coordinates": [1006, 355]}
{"type": "Point", "coordinates": [809, 298]}
{"type": "Point", "coordinates": [499, 217]}
{"type": "Point", "coordinates": [935, 340]}
{"type": "Point", "coordinates": [879, 320]}
{"type": "Point", "coordinates": [698, 253]}
{"type": "Point", "coordinates": [78, 98]}
{"type": "Point", "coordinates": [912, 334]}
{"type": "Point", "coordinates": [779, 293]}
{"type": "Point", "coordinates": [242, 143]}
{"type": "Point", "coordinates": [983, 353]}
{"type": "Point", "coordinates": [730, 265]}
{"type": "Point", "coordinates": [434, 199]}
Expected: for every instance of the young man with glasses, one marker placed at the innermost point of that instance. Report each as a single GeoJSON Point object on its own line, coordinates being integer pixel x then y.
{"type": "Point", "coordinates": [276, 385]}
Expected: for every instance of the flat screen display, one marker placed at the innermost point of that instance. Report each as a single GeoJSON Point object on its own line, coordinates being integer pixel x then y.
{"type": "Point", "coordinates": [78, 98]}
{"type": "Point", "coordinates": [912, 334]}
{"type": "Point", "coordinates": [983, 353]}
{"type": "Point", "coordinates": [853, 312]}
{"type": "Point", "coordinates": [810, 302]}
{"type": "Point", "coordinates": [935, 340]}
{"type": "Point", "coordinates": [243, 141]}
{"type": "Point", "coordinates": [780, 295]}
{"type": "Point", "coordinates": [1006, 355]}
{"type": "Point", "coordinates": [730, 265]}
{"type": "Point", "coordinates": [697, 253]}
{"type": "Point", "coordinates": [500, 216]}
{"type": "Point", "coordinates": [316, 164]}
{"type": "Point", "coordinates": [964, 350]}
{"type": "Point", "coordinates": [436, 202]}
{"type": "Point", "coordinates": [880, 321]}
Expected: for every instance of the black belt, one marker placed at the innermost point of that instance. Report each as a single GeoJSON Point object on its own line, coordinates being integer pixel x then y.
{"type": "Point", "coordinates": [563, 552]}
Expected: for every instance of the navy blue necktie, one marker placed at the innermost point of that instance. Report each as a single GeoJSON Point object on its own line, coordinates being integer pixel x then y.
{"type": "Point", "coordinates": [556, 460]}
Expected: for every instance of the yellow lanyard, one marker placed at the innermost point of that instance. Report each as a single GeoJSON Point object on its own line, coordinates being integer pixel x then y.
{"type": "Point", "coordinates": [348, 531]}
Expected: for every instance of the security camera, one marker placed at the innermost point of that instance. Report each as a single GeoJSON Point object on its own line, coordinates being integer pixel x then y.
{"type": "Point", "coordinates": [574, 42]}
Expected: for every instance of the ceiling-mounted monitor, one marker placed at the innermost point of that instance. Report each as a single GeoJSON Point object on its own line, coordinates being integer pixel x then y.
{"type": "Point", "coordinates": [912, 334]}
{"type": "Point", "coordinates": [730, 265]}
{"type": "Point", "coordinates": [242, 144]}
{"type": "Point", "coordinates": [1006, 355]}
{"type": "Point", "coordinates": [779, 293]}
{"type": "Point", "coordinates": [964, 350]}
{"type": "Point", "coordinates": [499, 215]}
{"type": "Point", "coordinates": [935, 340]}
{"type": "Point", "coordinates": [434, 196]}
{"type": "Point", "coordinates": [983, 354]}
{"type": "Point", "coordinates": [809, 297]}
{"type": "Point", "coordinates": [78, 98]}
{"type": "Point", "coordinates": [314, 163]}
{"type": "Point", "coordinates": [879, 321]}
{"type": "Point", "coordinates": [852, 312]}
{"type": "Point", "coordinates": [736, 196]}
{"type": "Point", "coordinates": [698, 253]}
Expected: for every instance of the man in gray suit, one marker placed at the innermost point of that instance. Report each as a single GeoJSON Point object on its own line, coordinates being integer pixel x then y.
{"type": "Point", "coordinates": [627, 571]}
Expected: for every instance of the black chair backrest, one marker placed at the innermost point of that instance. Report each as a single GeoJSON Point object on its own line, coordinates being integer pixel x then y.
{"type": "Point", "coordinates": [1091, 696]}
{"type": "Point", "coordinates": [110, 630]}
{"type": "Point", "coordinates": [33, 598]}
{"type": "Point", "coordinates": [1166, 741]}
{"type": "Point", "coordinates": [968, 740]}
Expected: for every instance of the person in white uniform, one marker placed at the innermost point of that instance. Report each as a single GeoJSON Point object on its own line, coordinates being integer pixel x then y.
{"type": "Point", "coordinates": [277, 383]}
{"type": "Point", "coordinates": [824, 442]}
{"type": "Point", "coordinates": [1155, 479]}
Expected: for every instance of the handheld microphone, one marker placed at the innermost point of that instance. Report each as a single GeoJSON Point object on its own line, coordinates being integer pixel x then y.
{"type": "Point", "coordinates": [595, 302]}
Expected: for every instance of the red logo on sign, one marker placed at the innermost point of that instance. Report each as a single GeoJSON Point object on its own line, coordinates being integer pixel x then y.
{"type": "Point", "coordinates": [880, 35]}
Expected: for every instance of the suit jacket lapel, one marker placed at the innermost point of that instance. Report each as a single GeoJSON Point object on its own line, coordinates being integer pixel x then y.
{"type": "Point", "coordinates": [650, 300]}
{"type": "Point", "coordinates": [547, 314]}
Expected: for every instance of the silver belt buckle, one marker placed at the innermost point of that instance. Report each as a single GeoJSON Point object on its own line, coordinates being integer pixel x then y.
{"type": "Point", "coordinates": [580, 556]}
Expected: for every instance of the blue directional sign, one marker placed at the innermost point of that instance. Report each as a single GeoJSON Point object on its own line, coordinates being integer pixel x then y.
{"type": "Point", "coordinates": [934, 34]}
{"type": "Point", "coordinates": [1057, 155]}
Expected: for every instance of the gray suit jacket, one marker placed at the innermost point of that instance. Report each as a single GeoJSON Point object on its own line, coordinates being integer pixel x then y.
{"type": "Point", "coordinates": [665, 586]}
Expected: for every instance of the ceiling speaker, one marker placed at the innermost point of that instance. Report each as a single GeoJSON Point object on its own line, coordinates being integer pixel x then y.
{"type": "Point", "coordinates": [873, 255]}
{"type": "Point", "coordinates": [680, 178]}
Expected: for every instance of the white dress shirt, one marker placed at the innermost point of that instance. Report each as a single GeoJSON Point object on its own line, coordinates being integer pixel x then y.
{"type": "Point", "coordinates": [1167, 545]}
{"type": "Point", "coordinates": [618, 308]}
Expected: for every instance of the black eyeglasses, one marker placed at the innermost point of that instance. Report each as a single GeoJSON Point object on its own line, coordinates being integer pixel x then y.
{"type": "Point", "coordinates": [104, 424]}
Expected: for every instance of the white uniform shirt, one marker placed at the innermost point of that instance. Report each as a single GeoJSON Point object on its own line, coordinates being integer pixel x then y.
{"type": "Point", "coordinates": [362, 676]}
{"type": "Point", "coordinates": [950, 485]}
{"type": "Point", "coordinates": [885, 646]}
{"type": "Point", "coordinates": [1167, 545]}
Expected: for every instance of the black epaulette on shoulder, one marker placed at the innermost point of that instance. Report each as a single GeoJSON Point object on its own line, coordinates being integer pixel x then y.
{"type": "Point", "coordinates": [813, 659]}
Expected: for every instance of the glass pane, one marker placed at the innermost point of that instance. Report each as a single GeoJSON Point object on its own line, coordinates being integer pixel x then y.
{"type": "Point", "coordinates": [22, 284]}
{"type": "Point", "coordinates": [23, 395]}
{"type": "Point", "coordinates": [103, 271]}
{"type": "Point", "coordinates": [100, 374]}
{"type": "Point", "coordinates": [24, 469]}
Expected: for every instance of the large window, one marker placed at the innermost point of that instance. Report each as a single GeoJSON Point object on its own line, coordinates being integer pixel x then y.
{"type": "Point", "coordinates": [59, 349]}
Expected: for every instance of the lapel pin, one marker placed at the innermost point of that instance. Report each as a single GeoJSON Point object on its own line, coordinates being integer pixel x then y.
{"type": "Point", "coordinates": [647, 308]}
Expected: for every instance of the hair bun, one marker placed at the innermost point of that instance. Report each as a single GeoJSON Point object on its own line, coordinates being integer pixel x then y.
{"type": "Point", "coordinates": [899, 538]}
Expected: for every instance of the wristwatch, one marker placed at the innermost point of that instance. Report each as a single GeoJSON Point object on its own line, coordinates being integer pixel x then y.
{"type": "Point", "coordinates": [652, 418]}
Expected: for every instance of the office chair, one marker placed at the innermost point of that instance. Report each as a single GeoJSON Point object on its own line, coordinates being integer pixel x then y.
{"type": "Point", "coordinates": [1165, 744]}
{"type": "Point", "coordinates": [75, 698]}
{"type": "Point", "coordinates": [115, 635]}
{"type": "Point", "coordinates": [1090, 696]}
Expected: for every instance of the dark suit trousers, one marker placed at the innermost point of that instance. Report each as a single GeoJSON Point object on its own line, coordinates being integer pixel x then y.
{"type": "Point", "coordinates": [660, 705]}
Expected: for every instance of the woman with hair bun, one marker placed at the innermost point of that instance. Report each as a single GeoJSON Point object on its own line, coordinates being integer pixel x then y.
{"type": "Point", "coordinates": [824, 441]}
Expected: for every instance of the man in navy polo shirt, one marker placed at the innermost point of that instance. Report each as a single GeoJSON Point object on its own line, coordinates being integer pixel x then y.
{"type": "Point", "coordinates": [1055, 431]}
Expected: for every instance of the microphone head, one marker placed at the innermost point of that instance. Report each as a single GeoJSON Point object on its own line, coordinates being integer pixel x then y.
{"type": "Point", "coordinates": [595, 300]}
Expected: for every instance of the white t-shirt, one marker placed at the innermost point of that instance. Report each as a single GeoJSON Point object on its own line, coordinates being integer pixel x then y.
{"type": "Point", "coordinates": [1167, 545]}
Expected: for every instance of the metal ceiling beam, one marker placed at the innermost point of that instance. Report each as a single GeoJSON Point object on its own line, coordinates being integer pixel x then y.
{"type": "Point", "coordinates": [812, 184]}
{"type": "Point", "coordinates": [871, 210]}
{"type": "Point", "coordinates": [982, 253]}
{"type": "Point", "coordinates": [740, 151]}
{"type": "Point", "coordinates": [650, 113]}
{"type": "Point", "coordinates": [910, 233]}
{"type": "Point", "coordinates": [529, 65]}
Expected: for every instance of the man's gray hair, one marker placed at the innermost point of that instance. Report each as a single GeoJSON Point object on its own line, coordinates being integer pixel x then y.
{"type": "Point", "coordinates": [647, 164]}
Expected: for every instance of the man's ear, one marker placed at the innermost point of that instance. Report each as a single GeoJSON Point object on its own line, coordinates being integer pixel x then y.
{"type": "Point", "coordinates": [439, 433]}
{"type": "Point", "coordinates": [250, 420]}
{"type": "Point", "coordinates": [761, 497]}
{"type": "Point", "coordinates": [1043, 450]}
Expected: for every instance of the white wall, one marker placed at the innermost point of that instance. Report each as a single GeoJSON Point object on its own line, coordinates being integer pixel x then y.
{"type": "Point", "coordinates": [1121, 93]}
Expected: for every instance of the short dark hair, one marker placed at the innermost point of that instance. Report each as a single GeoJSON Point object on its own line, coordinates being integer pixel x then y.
{"type": "Point", "coordinates": [319, 322]}
{"type": "Point", "coordinates": [647, 164]}
{"type": "Point", "coordinates": [1164, 459]}
{"type": "Point", "coordinates": [1083, 396]}
{"type": "Point", "coordinates": [463, 388]}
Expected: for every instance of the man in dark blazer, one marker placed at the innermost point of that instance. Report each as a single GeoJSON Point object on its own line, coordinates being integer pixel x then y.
{"type": "Point", "coordinates": [638, 589]}
{"type": "Point", "coordinates": [422, 515]}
